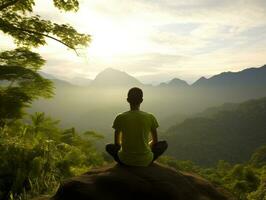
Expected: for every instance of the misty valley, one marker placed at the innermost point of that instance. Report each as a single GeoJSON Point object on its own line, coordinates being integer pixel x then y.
{"type": "Point", "coordinates": [209, 117]}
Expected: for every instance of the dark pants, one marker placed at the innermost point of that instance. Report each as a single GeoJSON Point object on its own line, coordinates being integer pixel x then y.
{"type": "Point", "coordinates": [158, 149]}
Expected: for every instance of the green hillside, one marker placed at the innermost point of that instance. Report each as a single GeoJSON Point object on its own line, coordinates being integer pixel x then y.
{"type": "Point", "coordinates": [227, 134]}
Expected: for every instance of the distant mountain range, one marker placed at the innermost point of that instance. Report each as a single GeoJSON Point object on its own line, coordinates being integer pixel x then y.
{"type": "Point", "coordinates": [76, 81]}
{"type": "Point", "coordinates": [247, 77]}
{"type": "Point", "coordinates": [57, 81]}
{"type": "Point", "coordinates": [112, 77]}
{"type": "Point", "coordinates": [95, 104]}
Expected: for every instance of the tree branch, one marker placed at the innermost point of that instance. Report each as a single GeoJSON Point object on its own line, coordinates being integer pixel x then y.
{"type": "Point", "coordinates": [9, 3]}
{"type": "Point", "coordinates": [45, 35]}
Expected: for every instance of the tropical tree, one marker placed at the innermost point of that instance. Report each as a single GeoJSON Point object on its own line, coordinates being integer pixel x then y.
{"type": "Point", "coordinates": [20, 86]}
{"type": "Point", "coordinates": [20, 82]}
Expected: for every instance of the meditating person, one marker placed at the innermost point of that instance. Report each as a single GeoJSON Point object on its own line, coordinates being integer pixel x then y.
{"type": "Point", "coordinates": [132, 134]}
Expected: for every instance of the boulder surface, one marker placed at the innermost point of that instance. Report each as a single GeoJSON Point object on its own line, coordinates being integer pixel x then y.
{"type": "Point", "coordinates": [117, 182]}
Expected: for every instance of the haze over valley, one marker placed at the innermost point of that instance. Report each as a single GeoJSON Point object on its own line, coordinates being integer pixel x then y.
{"type": "Point", "coordinates": [94, 104]}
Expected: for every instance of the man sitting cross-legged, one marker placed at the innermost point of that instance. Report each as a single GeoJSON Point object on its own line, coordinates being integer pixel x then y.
{"type": "Point", "coordinates": [132, 131]}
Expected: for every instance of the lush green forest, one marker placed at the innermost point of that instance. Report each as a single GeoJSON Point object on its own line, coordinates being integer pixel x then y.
{"type": "Point", "coordinates": [247, 181]}
{"type": "Point", "coordinates": [230, 132]}
{"type": "Point", "coordinates": [37, 155]}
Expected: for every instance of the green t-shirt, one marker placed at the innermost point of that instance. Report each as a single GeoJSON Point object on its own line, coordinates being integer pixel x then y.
{"type": "Point", "coordinates": [135, 127]}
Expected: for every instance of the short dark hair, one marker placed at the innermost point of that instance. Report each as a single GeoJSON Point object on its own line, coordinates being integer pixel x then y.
{"type": "Point", "coordinates": [135, 96]}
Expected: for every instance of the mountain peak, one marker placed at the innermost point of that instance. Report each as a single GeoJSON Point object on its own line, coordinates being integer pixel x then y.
{"type": "Point", "coordinates": [113, 77]}
{"type": "Point", "coordinates": [202, 78]}
{"type": "Point", "coordinates": [178, 82]}
{"type": "Point", "coordinates": [175, 82]}
{"type": "Point", "coordinates": [200, 81]}
{"type": "Point", "coordinates": [110, 70]}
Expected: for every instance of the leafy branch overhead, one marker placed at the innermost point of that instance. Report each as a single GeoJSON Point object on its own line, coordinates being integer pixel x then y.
{"type": "Point", "coordinates": [20, 82]}
{"type": "Point", "coordinates": [32, 31]}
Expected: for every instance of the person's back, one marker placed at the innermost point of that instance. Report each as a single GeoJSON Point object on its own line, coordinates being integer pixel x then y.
{"type": "Point", "coordinates": [132, 133]}
{"type": "Point", "coordinates": [135, 126]}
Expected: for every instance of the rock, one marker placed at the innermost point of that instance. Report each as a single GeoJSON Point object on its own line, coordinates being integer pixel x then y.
{"type": "Point", "coordinates": [137, 183]}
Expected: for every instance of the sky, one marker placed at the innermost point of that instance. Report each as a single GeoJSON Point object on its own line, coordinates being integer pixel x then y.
{"type": "Point", "coordinates": [157, 40]}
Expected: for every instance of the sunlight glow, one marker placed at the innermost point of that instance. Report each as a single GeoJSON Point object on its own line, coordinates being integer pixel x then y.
{"type": "Point", "coordinates": [171, 38]}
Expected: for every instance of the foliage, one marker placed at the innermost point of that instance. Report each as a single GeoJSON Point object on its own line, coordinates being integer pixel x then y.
{"type": "Point", "coordinates": [245, 181]}
{"type": "Point", "coordinates": [20, 82]}
{"type": "Point", "coordinates": [231, 135]}
{"type": "Point", "coordinates": [22, 56]}
{"type": "Point", "coordinates": [22, 86]}
{"type": "Point", "coordinates": [260, 193]}
{"type": "Point", "coordinates": [259, 157]}
{"type": "Point", "coordinates": [17, 20]}
{"type": "Point", "coordinates": [37, 155]}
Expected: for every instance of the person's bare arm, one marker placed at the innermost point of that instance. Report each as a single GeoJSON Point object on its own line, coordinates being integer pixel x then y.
{"type": "Point", "coordinates": [117, 137]}
{"type": "Point", "coordinates": [154, 136]}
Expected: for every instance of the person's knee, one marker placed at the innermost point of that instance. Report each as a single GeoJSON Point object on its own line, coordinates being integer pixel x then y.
{"type": "Point", "coordinates": [161, 145]}
{"type": "Point", "coordinates": [164, 144]}
{"type": "Point", "coordinates": [108, 147]}
{"type": "Point", "coordinates": [112, 147]}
